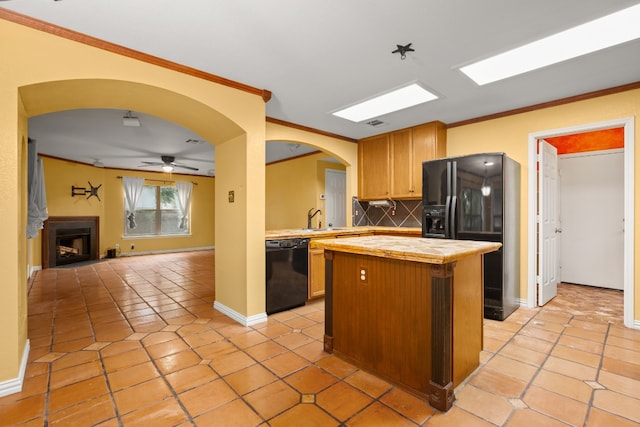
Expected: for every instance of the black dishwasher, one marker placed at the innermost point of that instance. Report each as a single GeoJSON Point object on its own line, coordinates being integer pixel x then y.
{"type": "Point", "coordinates": [287, 273]}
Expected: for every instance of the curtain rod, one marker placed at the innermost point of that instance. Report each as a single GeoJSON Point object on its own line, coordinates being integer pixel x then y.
{"type": "Point", "coordinates": [159, 180]}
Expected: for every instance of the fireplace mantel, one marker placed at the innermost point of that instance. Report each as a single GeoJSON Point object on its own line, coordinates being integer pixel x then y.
{"type": "Point", "coordinates": [55, 223]}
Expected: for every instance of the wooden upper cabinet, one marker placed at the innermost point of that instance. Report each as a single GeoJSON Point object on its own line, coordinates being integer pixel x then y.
{"type": "Point", "coordinates": [401, 160]}
{"type": "Point", "coordinates": [373, 168]}
{"type": "Point", "coordinates": [429, 143]}
{"type": "Point", "coordinates": [390, 165]}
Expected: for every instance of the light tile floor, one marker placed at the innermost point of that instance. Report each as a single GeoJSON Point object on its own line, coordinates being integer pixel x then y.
{"type": "Point", "coordinates": [135, 341]}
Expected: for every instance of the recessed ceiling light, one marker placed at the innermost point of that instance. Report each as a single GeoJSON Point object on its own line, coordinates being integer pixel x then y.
{"type": "Point", "coordinates": [601, 33]}
{"type": "Point", "coordinates": [389, 102]}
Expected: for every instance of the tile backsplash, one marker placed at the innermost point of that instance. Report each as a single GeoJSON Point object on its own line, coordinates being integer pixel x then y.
{"type": "Point", "coordinates": [401, 213]}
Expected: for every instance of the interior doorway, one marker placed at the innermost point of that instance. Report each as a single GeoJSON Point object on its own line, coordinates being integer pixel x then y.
{"type": "Point", "coordinates": [535, 267]}
{"type": "Point", "coordinates": [592, 218]}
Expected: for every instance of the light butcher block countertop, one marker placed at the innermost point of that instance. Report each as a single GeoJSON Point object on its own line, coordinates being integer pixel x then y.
{"type": "Point", "coordinates": [432, 251]}
{"type": "Point", "coordinates": [341, 231]}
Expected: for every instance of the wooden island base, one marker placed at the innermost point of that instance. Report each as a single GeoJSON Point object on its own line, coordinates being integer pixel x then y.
{"type": "Point", "coordinates": [415, 324]}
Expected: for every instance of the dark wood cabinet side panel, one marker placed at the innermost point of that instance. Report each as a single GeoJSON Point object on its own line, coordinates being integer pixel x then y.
{"type": "Point", "coordinates": [384, 319]}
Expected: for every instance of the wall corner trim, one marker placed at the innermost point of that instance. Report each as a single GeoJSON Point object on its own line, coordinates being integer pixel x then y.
{"type": "Point", "coordinates": [15, 385]}
{"type": "Point", "coordinates": [243, 320]}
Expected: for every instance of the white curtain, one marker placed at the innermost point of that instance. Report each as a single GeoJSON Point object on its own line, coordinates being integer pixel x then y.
{"type": "Point", "coordinates": [184, 190]}
{"type": "Point", "coordinates": [132, 190]}
{"type": "Point", "coordinates": [37, 203]}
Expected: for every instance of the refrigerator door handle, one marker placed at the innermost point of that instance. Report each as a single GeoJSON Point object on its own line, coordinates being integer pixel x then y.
{"type": "Point", "coordinates": [453, 188]}
{"type": "Point", "coordinates": [447, 216]}
{"type": "Point", "coordinates": [452, 217]}
{"type": "Point", "coordinates": [452, 198]}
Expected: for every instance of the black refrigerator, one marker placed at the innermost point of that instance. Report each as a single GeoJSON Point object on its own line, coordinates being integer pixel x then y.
{"type": "Point", "coordinates": [477, 197]}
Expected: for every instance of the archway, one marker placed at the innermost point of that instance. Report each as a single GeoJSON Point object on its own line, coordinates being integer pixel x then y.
{"type": "Point", "coordinates": [344, 151]}
{"type": "Point", "coordinates": [44, 72]}
{"type": "Point", "coordinates": [232, 152]}
{"type": "Point", "coordinates": [42, 98]}
{"type": "Point", "coordinates": [295, 182]}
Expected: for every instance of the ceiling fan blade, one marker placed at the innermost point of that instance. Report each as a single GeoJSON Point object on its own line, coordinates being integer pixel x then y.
{"type": "Point", "coordinates": [184, 167]}
{"type": "Point", "coordinates": [152, 163]}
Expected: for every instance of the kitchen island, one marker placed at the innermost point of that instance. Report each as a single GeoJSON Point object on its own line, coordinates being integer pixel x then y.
{"type": "Point", "coordinates": [409, 310]}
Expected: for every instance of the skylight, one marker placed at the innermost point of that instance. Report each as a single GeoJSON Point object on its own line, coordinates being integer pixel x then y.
{"type": "Point", "coordinates": [389, 102]}
{"type": "Point", "coordinates": [601, 33]}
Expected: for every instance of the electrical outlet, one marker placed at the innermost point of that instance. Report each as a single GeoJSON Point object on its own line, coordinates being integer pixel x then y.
{"type": "Point", "coordinates": [117, 246]}
{"type": "Point", "coordinates": [363, 274]}
{"type": "Point", "coordinates": [133, 246]}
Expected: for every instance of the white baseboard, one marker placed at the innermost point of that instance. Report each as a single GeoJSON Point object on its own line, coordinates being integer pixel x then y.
{"type": "Point", "coordinates": [243, 320]}
{"type": "Point", "coordinates": [15, 385]}
{"type": "Point", "coordinates": [33, 269]}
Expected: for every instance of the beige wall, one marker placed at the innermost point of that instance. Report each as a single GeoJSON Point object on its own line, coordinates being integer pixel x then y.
{"type": "Point", "coordinates": [294, 187]}
{"type": "Point", "coordinates": [510, 134]}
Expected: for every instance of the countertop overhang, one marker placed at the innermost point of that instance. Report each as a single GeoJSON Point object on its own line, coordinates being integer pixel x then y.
{"type": "Point", "coordinates": [315, 233]}
{"type": "Point", "coordinates": [426, 250]}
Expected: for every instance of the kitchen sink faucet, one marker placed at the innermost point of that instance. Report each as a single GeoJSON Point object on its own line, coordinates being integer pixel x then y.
{"type": "Point", "coordinates": [311, 215]}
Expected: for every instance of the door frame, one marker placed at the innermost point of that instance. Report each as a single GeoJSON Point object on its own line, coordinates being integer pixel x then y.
{"type": "Point", "coordinates": [629, 212]}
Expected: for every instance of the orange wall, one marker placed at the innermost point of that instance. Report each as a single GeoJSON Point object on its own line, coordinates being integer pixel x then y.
{"type": "Point", "coordinates": [589, 141]}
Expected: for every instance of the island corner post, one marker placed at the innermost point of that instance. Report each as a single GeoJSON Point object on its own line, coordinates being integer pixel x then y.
{"type": "Point", "coordinates": [441, 386]}
{"type": "Point", "coordinates": [432, 311]}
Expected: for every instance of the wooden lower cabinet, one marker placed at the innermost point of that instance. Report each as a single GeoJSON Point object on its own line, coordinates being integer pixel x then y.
{"type": "Point", "coordinates": [316, 273]}
{"type": "Point", "coordinates": [316, 266]}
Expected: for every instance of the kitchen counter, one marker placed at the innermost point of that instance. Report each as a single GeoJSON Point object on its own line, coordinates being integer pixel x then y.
{"type": "Point", "coordinates": [409, 310]}
{"type": "Point", "coordinates": [341, 231]}
{"type": "Point", "coordinates": [433, 251]}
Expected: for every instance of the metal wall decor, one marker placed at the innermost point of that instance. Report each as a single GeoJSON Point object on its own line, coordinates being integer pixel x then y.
{"type": "Point", "coordinates": [89, 192]}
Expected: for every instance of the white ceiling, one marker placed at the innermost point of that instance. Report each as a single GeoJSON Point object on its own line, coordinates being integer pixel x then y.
{"type": "Point", "coordinates": [319, 56]}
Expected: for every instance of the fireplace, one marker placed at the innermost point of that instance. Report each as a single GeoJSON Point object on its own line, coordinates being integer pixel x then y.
{"type": "Point", "coordinates": [67, 240]}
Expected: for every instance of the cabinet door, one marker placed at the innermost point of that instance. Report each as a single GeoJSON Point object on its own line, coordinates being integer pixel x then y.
{"type": "Point", "coordinates": [316, 273]}
{"type": "Point", "coordinates": [400, 146]}
{"type": "Point", "coordinates": [373, 168]}
{"type": "Point", "coordinates": [429, 143]}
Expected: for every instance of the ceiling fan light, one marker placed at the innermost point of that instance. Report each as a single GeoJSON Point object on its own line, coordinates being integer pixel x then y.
{"type": "Point", "coordinates": [130, 120]}
{"type": "Point", "coordinates": [167, 168]}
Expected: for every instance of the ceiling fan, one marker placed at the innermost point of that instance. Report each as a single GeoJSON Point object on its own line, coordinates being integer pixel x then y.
{"type": "Point", "coordinates": [168, 164]}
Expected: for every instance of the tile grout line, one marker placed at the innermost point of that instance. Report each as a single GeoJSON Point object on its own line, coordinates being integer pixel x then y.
{"type": "Point", "coordinates": [540, 368]}
{"type": "Point", "coordinates": [104, 369]}
{"type": "Point", "coordinates": [598, 372]}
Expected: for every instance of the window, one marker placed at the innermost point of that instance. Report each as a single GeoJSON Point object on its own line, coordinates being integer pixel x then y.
{"type": "Point", "coordinates": [157, 213]}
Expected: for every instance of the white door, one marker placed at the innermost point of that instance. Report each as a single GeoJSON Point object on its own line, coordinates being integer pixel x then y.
{"type": "Point", "coordinates": [592, 218]}
{"type": "Point", "coordinates": [548, 223]}
{"type": "Point", "coordinates": [335, 189]}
